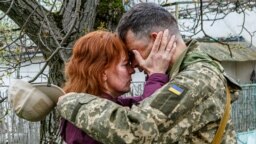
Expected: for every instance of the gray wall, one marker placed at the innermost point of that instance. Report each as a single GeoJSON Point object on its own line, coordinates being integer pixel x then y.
{"type": "Point", "coordinates": [240, 71]}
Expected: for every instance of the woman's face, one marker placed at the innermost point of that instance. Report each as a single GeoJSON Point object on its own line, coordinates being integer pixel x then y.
{"type": "Point", "coordinates": [118, 78]}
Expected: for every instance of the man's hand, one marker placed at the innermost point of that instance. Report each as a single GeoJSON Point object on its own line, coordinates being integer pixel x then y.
{"type": "Point", "coordinates": [160, 56]}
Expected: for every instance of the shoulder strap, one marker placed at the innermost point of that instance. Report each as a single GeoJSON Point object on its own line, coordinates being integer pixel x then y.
{"type": "Point", "coordinates": [219, 134]}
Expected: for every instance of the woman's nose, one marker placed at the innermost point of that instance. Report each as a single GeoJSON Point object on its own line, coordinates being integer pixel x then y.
{"type": "Point", "coordinates": [131, 70]}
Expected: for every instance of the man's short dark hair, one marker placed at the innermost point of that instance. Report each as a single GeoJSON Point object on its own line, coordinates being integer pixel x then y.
{"type": "Point", "coordinates": [144, 18]}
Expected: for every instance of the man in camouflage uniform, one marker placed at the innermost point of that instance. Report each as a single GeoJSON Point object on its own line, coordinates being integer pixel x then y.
{"type": "Point", "coordinates": [188, 109]}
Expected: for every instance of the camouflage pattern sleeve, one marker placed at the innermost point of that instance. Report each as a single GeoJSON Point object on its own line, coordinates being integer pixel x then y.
{"type": "Point", "coordinates": [193, 103]}
{"type": "Point", "coordinates": [186, 110]}
{"type": "Point", "coordinates": [107, 121]}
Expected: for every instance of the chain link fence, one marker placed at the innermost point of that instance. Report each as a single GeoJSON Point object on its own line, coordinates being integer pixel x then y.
{"type": "Point", "coordinates": [244, 115]}
{"type": "Point", "coordinates": [14, 130]}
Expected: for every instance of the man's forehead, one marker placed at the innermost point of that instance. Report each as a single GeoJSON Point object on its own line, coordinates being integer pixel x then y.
{"type": "Point", "coordinates": [132, 42]}
{"type": "Point", "coordinates": [130, 36]}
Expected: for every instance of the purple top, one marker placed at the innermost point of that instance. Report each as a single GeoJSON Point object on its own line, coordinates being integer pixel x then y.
{"type": "Point", "coordinates": [73, 135]}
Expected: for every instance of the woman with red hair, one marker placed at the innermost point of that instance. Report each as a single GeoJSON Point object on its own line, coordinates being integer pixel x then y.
{"type": "Point", "coordinates": [100, 65]}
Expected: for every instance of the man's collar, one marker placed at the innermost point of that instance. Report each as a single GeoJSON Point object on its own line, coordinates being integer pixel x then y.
{"type": "Point", "coordinates": [176, 66]}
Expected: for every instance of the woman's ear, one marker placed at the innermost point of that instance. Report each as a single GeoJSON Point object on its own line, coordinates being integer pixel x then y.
{"type": "Point", "coordinates": [104, 75]}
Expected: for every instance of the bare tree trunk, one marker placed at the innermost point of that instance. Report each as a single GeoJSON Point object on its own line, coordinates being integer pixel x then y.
{"type": "Point", "coordinates": [54, 33]}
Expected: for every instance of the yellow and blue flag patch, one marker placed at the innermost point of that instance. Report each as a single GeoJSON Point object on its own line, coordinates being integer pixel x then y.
{"type": "Point", "coordinates": [176, 89]}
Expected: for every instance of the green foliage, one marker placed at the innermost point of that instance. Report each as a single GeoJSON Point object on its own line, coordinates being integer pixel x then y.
{"type": "Point", "coordinates": [6, 48]}
{"type": "Point", "coordinates": [9, 47]}
{"type": "Point", "coordinates": [102, 26]}
{"type": "Point", "coordinates": [2, 54]}
{"type": "Point", "coordinates": [6, 33]}
{"type": "Point", "coordinates": [108, 14]}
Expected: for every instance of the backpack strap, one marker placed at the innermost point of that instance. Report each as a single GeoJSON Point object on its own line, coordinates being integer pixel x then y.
{"type": "Point", "coordinates": [223, 122]}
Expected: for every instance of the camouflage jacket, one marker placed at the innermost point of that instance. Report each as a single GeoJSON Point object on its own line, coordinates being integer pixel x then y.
{"type": "Point", "coordinates": [187, 109]}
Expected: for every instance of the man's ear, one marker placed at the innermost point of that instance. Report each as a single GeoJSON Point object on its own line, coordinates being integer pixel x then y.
{"type": "Point", "coordinates": [153, 36]}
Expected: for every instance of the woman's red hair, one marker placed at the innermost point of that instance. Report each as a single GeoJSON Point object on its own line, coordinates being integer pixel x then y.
{"type": "Point", "coordinates": [92, 55]}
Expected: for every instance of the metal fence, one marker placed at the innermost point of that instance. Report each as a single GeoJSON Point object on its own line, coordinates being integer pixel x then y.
{"type": "Point", "coordinates": [14, 130]}
{"type": "Point", "coordinates": [244, 109]}
{"type": "Point", "coordinates": [136, 89]}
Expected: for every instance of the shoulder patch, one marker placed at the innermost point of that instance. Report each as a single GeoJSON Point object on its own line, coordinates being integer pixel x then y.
{"type": "Point", "coordinates": [176, 89]}
{"type": "Point", "coordinates": [169, 97]}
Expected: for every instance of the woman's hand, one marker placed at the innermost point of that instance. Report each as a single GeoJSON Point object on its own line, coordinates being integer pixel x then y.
{"type": "Point", "coordinates": [160, 56]}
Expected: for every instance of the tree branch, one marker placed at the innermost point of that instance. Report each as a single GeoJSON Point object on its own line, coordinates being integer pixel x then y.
{"type": "Point", "coordinates": [45, 65]}
{"type": "Point", "coordinates": [202, 28]}
{"type": "Point", "coordinates": [7, 10]}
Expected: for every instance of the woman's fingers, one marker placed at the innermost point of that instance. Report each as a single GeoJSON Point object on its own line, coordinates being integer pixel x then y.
{"type": "Point", "coordinates": [171, 44]}
{"type": "Point", "coordinates": [157, 43]}
{"type": "Point", "coordinates": [170, 48]}
{"type": "Point", "coordinates": [138, 57]}
{"type": "Point", "coordinates": [164, 41]}
{"type": "Point", "coordinates": [172, 51]}
{"type": "Point", "coordinates": [160, 56]}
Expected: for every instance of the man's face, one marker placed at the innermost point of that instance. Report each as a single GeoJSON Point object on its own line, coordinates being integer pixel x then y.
{"type": "Point", "coordinates": [142, 45]}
